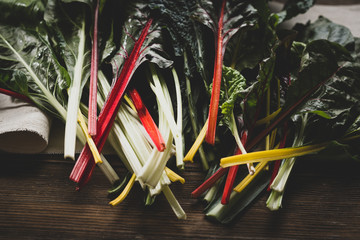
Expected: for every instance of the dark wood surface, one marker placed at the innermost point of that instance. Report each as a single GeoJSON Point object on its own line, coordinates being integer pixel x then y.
{"type": "Point", "coordinates": [38, 201]}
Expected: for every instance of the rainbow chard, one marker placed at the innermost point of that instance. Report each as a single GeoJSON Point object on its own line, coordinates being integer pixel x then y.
{"type": "Point", "coordinates": [31, 61]}
{"type": "Point", "coordinates": [232, 17]}
{"type": "Point", "coordinates": [139, 43]}
{"type": "Point", "coordinates": [188, 42]}
{"type": "Point", "coordinates": [68, 19]}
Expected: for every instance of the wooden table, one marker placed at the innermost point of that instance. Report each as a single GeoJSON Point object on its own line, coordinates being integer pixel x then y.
{"type": "Point", "coordinates": [38, 201]}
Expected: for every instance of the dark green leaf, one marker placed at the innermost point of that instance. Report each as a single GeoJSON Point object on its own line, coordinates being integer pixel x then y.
{"type": "Point", "coordinates": [152, 49]}
{"type": "Point", "coordinates": [323, 28]}
{"type": "Point", "coordinates": [232, 92]}
{"type": "Point", "coordinates": [292, 8]}
{"type": "Point", "coordinates": [30, 50]}
{"type": "Point", "coordinates": [21, 11]}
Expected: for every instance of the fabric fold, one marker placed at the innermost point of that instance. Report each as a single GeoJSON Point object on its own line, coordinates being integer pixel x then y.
{"type": "Point", "coordinates": [24, 128]}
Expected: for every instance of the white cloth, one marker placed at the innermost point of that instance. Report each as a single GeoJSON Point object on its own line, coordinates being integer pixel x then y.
{"type": "Point", "coordinates": [23, 128]}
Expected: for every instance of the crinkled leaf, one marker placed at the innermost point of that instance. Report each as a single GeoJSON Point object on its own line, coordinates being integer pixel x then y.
{"type": "Point", "coordinates": [233, 86]}
{"type": "Point", "coordinates": [320, 61]}
{"type": "Point", "coordinates": [152, 49]}
{"type": "Point", "coordinates": [323, 28]}
{"type": "Point", "coordinates": [248, 48]}
{"type": "Point", "coordinates": [339, 100]}
{"type": "Point", "coordinates": [256, 92]}
{"type": "Point", "coordinates": [356, 52]}
{"type": "Point", "coordinates": [21, 11]}
{"type": "Point", "coordinates": [34, 50]}
{"type": "Point", "coordinates": [65, 25]}
{"type": "Point", "coordinates": [292, 8]}
{"type": "Point", "coordinates": [187, 35]}
{"type": "Point", "coordinates": [237, 15]}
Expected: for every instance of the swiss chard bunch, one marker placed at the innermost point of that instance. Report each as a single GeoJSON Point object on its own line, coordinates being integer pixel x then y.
{"type": "Point", "coordinates": [303, 80]}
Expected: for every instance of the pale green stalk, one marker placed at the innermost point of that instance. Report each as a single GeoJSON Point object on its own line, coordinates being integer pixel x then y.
{"type": "Point", "coordinates": [179, 147]}
{"type": "Point", "coordinates": [154, 166]}
{"type": "Point", "coordinates": [235, 133]}
{"type": "Point", "coordinates": [179, 212]}
{"type": "Point", "coordinates": [74, 99]}
{"type": "Point", "coordinates": [279, 182]}
{"type": "Point", "coordinates": [158, 87]}
{"type": "Point", "coordinates": [129, 139]}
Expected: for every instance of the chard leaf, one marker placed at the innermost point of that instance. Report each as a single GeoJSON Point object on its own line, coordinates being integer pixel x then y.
{"type": "Point", "coordinates": [17, 12]}
{"type": "Point", "coordinates": [67, 22]}
{"type": "Point", "coordinates": [248, 48]}
{"type": "Point", "coordinates": [323, 28]}
{"type": "Point", "coordinates": [237, 15]}
{"type": "Point", "coordinates": [152, 50]}
{"type": "Point", "coordinates": [292, 8]}
{"type": "Point", "coordinates": [320, 62]}
{"type": "Point", "coordinates": [339, 100]}
{"type": "Point", "coordinates": [255, 97]}
{"type": "Point", "coordinates": [356, 52]}
{"type": "Point", "coordinates": [187, 35]}
{"type": "Point", "coordinates": [233, 86]}
{"type": "Point", "coordinates": [30, 67]}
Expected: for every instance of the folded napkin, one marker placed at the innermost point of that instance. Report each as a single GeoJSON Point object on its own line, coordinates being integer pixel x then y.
{"type": "Point", "coordinates": [23, 127]}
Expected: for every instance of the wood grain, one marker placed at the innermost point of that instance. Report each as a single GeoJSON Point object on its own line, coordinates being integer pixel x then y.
{"type": "Point", "coordinates": [37, 201]}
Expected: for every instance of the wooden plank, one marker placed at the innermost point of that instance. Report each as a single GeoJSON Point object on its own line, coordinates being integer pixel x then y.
{"type": "Point", "coordinates": [38, 201]}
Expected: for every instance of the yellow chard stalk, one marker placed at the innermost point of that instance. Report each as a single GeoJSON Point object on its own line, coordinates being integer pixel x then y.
{"type": "Point", "coordinates": [194, 148]}
{"type": "Point", "coordinates": [271, 155]}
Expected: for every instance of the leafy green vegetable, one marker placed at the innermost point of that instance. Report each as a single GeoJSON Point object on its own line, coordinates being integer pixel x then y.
{"type": "Point", "coordinates": [68, 21]}
{"type": "Point", "coordinates": [323, 28]}
{"type": "Point", "coordinates": [16, 12]}
{"type": "Point", "coordinates": [29, 66]}
{"type": "Point", "coordinates": [292, 8]}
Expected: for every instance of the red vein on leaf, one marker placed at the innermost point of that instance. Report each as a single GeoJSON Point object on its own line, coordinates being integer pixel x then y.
{"type": "Point", "coordinates": [16, 95]}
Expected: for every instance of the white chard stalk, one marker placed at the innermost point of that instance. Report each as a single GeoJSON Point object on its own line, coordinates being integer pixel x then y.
{"type": "Point", "coordinates": [74, 99]}
{"type": "Point", "coordinates": [134, 146]}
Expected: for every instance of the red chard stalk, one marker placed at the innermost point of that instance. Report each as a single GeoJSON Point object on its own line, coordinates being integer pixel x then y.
{"type": "Point", "coordinates": [208, 183]}
{"type": "Point", "coordinates": [230, 179]}
{"type": "Point", "coordinates": [84, 165]}
{"type": "Point", "coordinates": [147, 120]}
{"type": "Point", "coordinates": [92, 115]}
{"type": "Point", "coordinates": [215, 93]}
